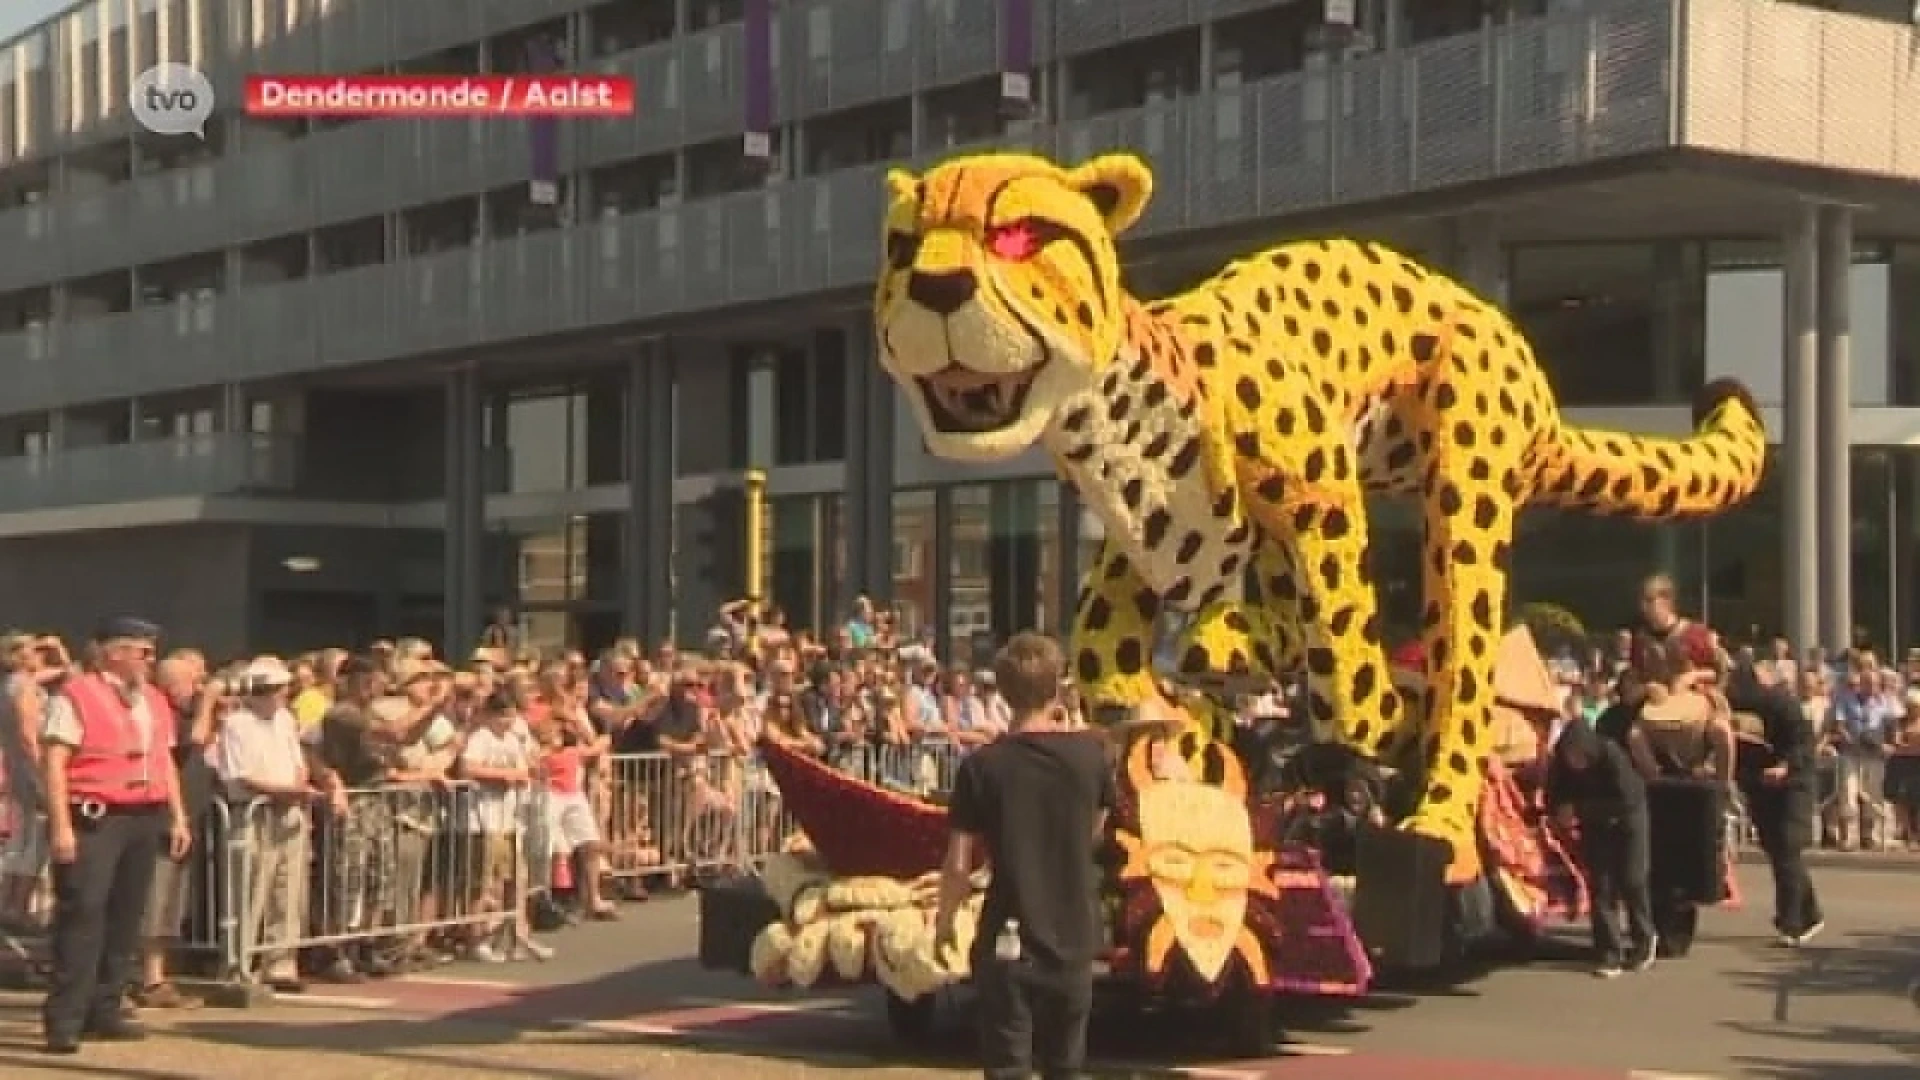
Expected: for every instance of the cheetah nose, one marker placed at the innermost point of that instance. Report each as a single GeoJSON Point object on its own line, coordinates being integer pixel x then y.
{"type": "Point", "coordinates": [942, 293]}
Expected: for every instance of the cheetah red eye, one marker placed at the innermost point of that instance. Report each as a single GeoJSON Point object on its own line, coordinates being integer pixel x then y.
{"type": "Point", "coordinates": [1016, 242]}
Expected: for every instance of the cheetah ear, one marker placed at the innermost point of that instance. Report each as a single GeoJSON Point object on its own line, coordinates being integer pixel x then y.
{"type": "Point", "coordinates": [1118, 185]}
{"type": "Point", "coordinates": [903, 186]}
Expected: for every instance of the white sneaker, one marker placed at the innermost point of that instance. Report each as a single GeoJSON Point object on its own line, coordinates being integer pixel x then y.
{"type": "Point", "coordinates": [1609, 970]}
{"type": "Point", "coordinates": [533, 950]}
{"type": "Point", "coordinates": [1809, 933]}
{"type": "Point", "coordinates": [484, 953]}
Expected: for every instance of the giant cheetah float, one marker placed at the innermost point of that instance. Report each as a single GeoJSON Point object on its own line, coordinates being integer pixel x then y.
{"type": "Point", "coordinates": [1240, 426]}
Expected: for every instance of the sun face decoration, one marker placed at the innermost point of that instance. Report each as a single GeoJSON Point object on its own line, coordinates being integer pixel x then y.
{"type": "Point", "coordinates": [1192, 842]}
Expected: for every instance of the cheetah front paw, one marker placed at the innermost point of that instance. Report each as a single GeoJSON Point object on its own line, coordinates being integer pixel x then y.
{"type": "Point", "coordinates": [1461, 838]}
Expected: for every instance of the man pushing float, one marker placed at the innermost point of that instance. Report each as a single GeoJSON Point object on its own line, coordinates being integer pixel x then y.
{"type": "Point", "coordinates": [1228, 439]}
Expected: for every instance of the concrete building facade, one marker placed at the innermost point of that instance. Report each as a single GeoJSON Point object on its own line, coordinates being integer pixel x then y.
{"type": "Point", "coordinates": [305, 383]}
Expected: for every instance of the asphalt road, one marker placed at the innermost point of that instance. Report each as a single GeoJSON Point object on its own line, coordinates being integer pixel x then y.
{"type": "Point", "coordinates": [627, 999]}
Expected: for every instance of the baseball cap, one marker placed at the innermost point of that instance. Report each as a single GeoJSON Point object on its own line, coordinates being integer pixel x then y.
{"type": "Point", "coordinates": [266, 671]}
{"type": "Point", "coordinates": [121, 627]}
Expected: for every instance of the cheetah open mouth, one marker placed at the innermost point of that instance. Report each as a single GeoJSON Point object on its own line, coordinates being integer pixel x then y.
{"type": "Point", "coordinates": [966, 402]}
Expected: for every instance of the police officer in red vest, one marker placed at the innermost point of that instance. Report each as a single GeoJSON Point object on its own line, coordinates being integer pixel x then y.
{"type": "Point", "coordinates": [113, 806]}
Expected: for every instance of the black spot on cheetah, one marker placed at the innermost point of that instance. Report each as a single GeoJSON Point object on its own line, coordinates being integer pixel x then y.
{"type": "Point", "coordinates": [1468, 689]}
{"type": "Point", "coordinates": [1311, 270]}
{"type": "Point", "coordinates": [1285, 421]}
{"type": "Point", "coordinates": [1440, 794]}
{"type": "Point", "coordinates": [1130, 657]}
{"type": "Point", "coordinates": [1263, 300]}
{"type": "Point", "coordinates": [1097, 615]}
{"type": "Point", "coordinates": [1480, 610]}
{"type": "Point", "coordinates": [1132, 492]}
{"type": "Point", "coordinates": [1155, 395]}
{"type": "Point", "coordinates": [1464, 555]}
{"type": "Point", "coordinates": [1157, 447]}
{"type": "Point", "coordinates": [1146, 604]}
{"type": "Point", "coordinates": [1315, 416]}
{"type": "Point", "coordinates": [1450, 501]}
{"type": "Point", "coordinates": [1184, 459]}
{"type": "Point", "coordinates": [1320, 661]}
{"type": "Point", "coordinates": [1341, 623]}
{"type": "Point", "coordinates": [1247, 445]}
{"type": "Point", "coordinates": [1119, 407]}
{"type": "Point", "coordinates": [1181, 592]}
{"type": "Point", "coordinates": [1087, 667]}
{"type": "Point", "coordinates": [1155, 527]}
{"type": "Point", "coordinates": [1271, 488]}
{"type": "Point", "coordinates": [1458, 762]}
{"type": "Point", "coordinates": [1403, 299]}
{"type": "Point", "coordinates": [1076, 420]}
{"type": "Point", "coordinates": [1485, 512]}
{"type": "Point", "coordinates": [1322, 343]}
{"type": "Point", "coordinates": [1085, 314]}
{"type": "Point", "coordinates": [1190, 545]}
{"type": "Point", "coordinates": [1314, 466]}
{"type": "Point", "coordinates": [1445, 397]}
{"type": "Point", "coordinates": [1248, 391]}
{"type": "Point", "coordinates": [1237, 622]}
{"type": "Point", "coordinates": [1365, 681]}
{"type": "Point", "coordinates": [1464, 435]}
{"type": "Point", "coordinates": [1335, 524]}
{"type": "Point", "coordinates": [1205, 354]}
{"type": "Point", "coordinates": [1195, 660]}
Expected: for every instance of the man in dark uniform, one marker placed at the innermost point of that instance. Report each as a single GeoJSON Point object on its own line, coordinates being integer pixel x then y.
{"type": "Point", "coordinates": [113, 808]}
{"type": "Point", "coordinates": [1592, 782]}
{"type": "Point", "coordinates": [1777, 777]}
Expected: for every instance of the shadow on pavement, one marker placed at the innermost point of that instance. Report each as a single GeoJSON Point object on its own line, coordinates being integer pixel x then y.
{"type": "Point", "coordinates": [1827, 1070]}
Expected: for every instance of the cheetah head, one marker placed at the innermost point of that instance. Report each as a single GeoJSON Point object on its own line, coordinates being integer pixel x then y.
{"type": "Point", "coordinates": [1001, 294]}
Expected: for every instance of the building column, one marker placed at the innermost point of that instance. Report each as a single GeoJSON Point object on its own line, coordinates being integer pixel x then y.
{"type": "Point", "coordinates": [466, 510]}
{"type": "Point", "coordinates": [647, 535]}
{"type": "Point", "coordinates": [870, 454]}
{"type": "Point", "coordinates": [1835, 468]}
{"type": "Point", "coordinates": [1800, 443]}
{"type": "Point", "coordinates": [939, 551]}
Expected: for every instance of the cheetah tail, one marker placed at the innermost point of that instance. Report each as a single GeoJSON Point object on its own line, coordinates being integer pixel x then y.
{"type": "Point", "coordinates": [1658, 478]}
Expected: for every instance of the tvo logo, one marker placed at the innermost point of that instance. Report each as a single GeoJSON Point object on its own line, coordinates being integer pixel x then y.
{"type": "Point", "coordinates": [171, 99]}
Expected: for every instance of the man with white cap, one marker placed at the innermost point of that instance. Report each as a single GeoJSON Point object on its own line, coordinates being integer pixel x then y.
{"type": "Point", "coordinates": [113, 807]}
{"type": "Point", "coordinates": [265, 768]}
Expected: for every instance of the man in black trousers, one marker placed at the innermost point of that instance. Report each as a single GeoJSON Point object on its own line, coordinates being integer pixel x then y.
{"type": "Point", "coordinates": [1777, 779]}
{"type": "Point", "coordinates": [1592, 782]}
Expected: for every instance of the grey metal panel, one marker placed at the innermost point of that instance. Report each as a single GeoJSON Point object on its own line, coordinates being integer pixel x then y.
{"type": "Point", "coordinates": [957, 40]}
{"type": "Point", "coordinates": [420, 27]}
{"type": "Point", "coordinates": [686, 90]}
{"type": "Point", "coordinates": [132, 472]}
{"type": "Point", "coordinates": [1448, 112]}
{"type": "Point", "coordinates": [1086, 25]}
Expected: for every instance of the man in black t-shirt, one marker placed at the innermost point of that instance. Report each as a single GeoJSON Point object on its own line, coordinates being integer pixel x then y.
{"type": "Point", "coordinates": [1034, 803]}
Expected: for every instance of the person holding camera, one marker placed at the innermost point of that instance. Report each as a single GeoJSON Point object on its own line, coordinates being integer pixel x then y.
{"type": "Point", "coordinates": [113, 808]}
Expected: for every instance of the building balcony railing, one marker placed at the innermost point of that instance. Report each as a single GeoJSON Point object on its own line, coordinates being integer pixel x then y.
{"type": "Point", "coordinates": [190, 466]}
{"type": "Point", "coordinates": [1540, 95]}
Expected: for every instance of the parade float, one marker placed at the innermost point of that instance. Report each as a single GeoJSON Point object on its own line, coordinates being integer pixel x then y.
{"type": "Point", "coordinates": [1228, 439]}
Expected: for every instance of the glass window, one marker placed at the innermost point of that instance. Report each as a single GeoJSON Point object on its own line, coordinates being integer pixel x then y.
{"type": "Point", "coordinates": [1745, 323]}
{"type": "Point", "coordinates": [796, 559]}
{"type": "Point", "coordinates": [1589, 312]}
{"type": "Point", "coordinates": [913, 593]}
{"type": "Point", "coordinates": [538, 442]}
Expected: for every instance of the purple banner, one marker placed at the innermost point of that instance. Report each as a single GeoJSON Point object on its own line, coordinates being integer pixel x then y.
{"type": "Point", "coordinates": [1016, 51]}
{"type": "Point", "coordinates": [543, 132]}
{"type": "Point", "coordinates": [758, 15]}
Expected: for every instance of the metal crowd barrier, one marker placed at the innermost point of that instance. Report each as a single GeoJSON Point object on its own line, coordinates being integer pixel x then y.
{"type": "Point", "coordinates": [270, 883]}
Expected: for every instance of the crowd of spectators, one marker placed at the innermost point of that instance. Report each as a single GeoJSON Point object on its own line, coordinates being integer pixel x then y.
{"type": "Point", "coordinates": [397, 806]}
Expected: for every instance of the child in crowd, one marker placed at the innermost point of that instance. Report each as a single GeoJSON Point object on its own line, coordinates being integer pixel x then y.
{"type": "Point", "coordinates": [574, 835]}
{"type": "Point", "coordinates": [499, 761]}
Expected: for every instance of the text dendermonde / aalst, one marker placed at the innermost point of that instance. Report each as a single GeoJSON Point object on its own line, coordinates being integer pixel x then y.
{"type": "Point", "coordinates": [363, 95]}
